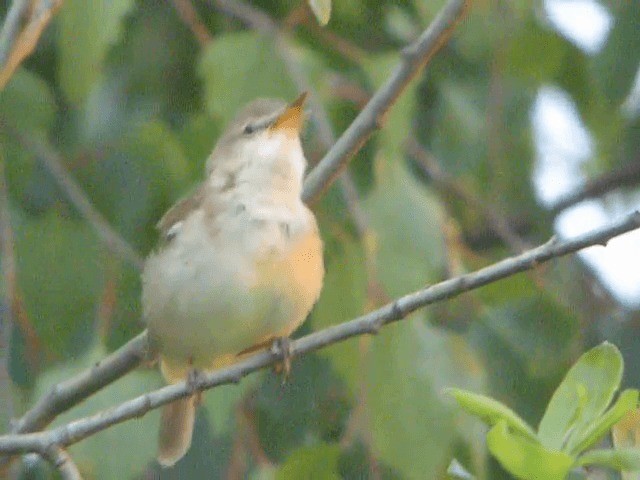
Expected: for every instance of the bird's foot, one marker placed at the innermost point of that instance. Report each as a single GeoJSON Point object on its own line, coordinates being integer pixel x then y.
{"type": "Point", "coordinates": [194, 378]}
{"type": "Point", "coordinates": [281, 347]}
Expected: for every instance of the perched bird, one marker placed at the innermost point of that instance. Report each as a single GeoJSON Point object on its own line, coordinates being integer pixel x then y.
{"type": "Point", "coordinates": [240, 261]}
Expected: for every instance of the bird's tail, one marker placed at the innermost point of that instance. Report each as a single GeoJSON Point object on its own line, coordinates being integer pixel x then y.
{"type": "Point", "coordinates": [176, 429]}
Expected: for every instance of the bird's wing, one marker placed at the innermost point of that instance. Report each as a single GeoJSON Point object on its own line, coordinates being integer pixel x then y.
{"type": "Point", "coordinates": [179, 212]}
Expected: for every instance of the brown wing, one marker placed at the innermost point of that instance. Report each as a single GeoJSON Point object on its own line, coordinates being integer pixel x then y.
{"type": "Point", "coordinates": [181, 210]}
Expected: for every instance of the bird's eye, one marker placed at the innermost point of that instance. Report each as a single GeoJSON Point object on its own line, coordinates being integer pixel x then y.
{"type": "Point", "coordinates": [249, 129]}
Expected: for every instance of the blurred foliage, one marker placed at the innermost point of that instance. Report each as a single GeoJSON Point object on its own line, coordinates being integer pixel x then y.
{"type": "Point", "coordinates": [125, 92]}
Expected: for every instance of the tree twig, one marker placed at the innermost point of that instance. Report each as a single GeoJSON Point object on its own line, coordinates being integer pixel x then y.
{"type": "Point", "coordinates": [21, 30]}
{"type": "Point", "coordinates": [414, 57]}
{"type": "Point", "coordinates": [9, 280]}
{"type": "Point", "coordinates": [12, 26]}
{"type": "Point", "coordinates": [625, 176]}
{"type": "Point", "coordinates": [191, 19]}
{"type": "Point", "coordinates": [54, 164]}
{"type": "Point", "coordinates": [69, 393]}
{"type": "Point", "coordinates": [61, 461]}
{"type": "Point", "coordinates": [366, 324]}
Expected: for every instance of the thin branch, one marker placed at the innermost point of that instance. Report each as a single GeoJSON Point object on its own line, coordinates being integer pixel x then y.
{"type": "Point", "coordinates": [189, 16]}
{"type": "Point", "coordinates": [414, 58]}
{"type": "Point", "coordinates": [69, 393]}
{"type": "Point", "coordinates": [12, 26]}
{"type": "Point", "coordinates": [54, 164]}
{"type": "Point", "coordinates": [22, 28]}
{"type": "Point", "coordinates": [449, 185]}
{"type": "Point", "coordinates": [62, 462]}
{"type": "Point", "coordinates": [253, 17]}
{"type": "Point", "coordinates": [625, 176]}
{"type": "Point", "coordinates": [9, 280]}
{"type": "Point", "coordinates": [366, 324]}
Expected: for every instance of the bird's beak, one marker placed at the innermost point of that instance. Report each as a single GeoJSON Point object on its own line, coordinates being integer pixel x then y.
{"type": "Point", "coordinates": [290, 121]}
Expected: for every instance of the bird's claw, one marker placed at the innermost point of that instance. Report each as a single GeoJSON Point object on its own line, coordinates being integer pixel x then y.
{"type": "Point", "coordinates": [193, 383]}
{"type": "Point", "coordinates": [281, 347]}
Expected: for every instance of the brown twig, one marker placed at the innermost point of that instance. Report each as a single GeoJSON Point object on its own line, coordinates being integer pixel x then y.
{"type": "Point", "coordinates": [189, 16]}
{"type": "Point", "coordinates": [21, 30]}
{"type": "Point", "coordinates": [370, 323]}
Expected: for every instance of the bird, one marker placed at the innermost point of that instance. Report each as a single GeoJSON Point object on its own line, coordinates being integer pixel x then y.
{"type": "Point", "coordinates": [239, 263]}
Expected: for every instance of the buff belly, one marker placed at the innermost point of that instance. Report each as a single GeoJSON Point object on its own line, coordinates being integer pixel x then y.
{"type": "Point", "coordinates": [201, 314]}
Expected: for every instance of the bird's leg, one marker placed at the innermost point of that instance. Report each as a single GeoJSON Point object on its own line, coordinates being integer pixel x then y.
{"type": "Point", "coordinates": [282, 348]}
{"type": "Point", "coordinates": [193, 378]}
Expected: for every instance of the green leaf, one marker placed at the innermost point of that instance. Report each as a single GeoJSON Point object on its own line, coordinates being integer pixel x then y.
{"type": "Point", "coordinates": [580, 441]}
{"type": "Point", "coordinates": [524, 458]}
{"type": "Point", "coordinates": [535, 54]}
{"type": "Point", "coordinates": [622, 459]}
{"type": "Point", "coordinates": [614, 72]}
{"type": "Point", "coordinates": [121, 451]}
{"type": "Point", "coordinates": [164, 156]}
{"type": "Point", "coordinates": [60, 272]}
{"type": "Point", "coordinates": [491, 411]}
{"type": "Point", "coordinates": [27, 102]}
{"type": "Point", "coordinates": [318, 462]}
{"type": "Point", "coordinates": [239, 67]}
{"type": "Point", "coordinates": [538, 330]}
{"type": "Point", "coordinates": [28, 105]}
{"type": "Point", "coordinates": [412, 429]}
{"type": "Point", "coordinates": [84, 36]}
{"type": "Point", "coordinates": [135, 185]}
{"type": "Point", "coordinates": [221, 403]}
{"type": "Point", "coordinates": [322, 10]}
{"type": "Point", "coordinates": [198, 137]}
{"type": "Point", "coordinates": [406, 219]}
{"type": "Point", "coordinates": [343, 298]}
{"type": "Point", "coordinates": [583, 395]}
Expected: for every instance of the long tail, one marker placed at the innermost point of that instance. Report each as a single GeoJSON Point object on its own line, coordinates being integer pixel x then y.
{"type": "Point", "coordinates": [176, 429]}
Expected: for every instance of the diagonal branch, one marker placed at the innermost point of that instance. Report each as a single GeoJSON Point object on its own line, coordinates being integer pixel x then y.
{"type": "Point", "coordinates": [65, 395]}
{"type": "Point", "coordinates": [626, 176]}
{"type": "Point", "coordinates": [54, 164]}
{"type": "Point", "coordinates": [414, 58]}
{"type": "Point", "coordinates": [189, 16]}
{"type": "Point", "coordinates": [21, 30]}
{"type": "Point", "coordinates": [366, 324]}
